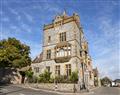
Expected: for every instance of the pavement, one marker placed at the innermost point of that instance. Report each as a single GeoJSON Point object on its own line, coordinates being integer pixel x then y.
{"type": "Point", "coordinates": [17, 90]}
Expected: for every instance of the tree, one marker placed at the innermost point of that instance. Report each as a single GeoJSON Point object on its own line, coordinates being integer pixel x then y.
{"type": "Point", "coordinates": [105, 81]}
{"type": "Point", "coordinates": [14, 54]}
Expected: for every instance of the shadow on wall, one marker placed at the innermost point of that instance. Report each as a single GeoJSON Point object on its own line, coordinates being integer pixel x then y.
{"type": "Point", "coordinates": [8, 75]}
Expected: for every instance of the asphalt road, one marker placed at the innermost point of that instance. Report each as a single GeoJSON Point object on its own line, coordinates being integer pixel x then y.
{"type": "Point", "coordinates": [105, 91]}
{"type": "Point", "coordinates": [15, 90]}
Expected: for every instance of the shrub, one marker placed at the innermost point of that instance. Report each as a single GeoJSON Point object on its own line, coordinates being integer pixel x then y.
{"type": "Point", "coordinates": [74, 77]}
{"type": "Point", "coordinates": [29, 75]}
{"type": "Point", "coordinates": [44, 77]}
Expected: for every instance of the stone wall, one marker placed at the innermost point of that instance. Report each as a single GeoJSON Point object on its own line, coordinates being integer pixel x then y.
{"type": "Point", "coordinates": [51, 86]}
{"type": "Point", "coordinates": [9, 75]}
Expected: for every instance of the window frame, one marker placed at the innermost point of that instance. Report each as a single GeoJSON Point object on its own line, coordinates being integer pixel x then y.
{"type": "Point", "coordinates": [62, 36]}
{"type": "Point", "coordinates": [48, 68]}
{"type": "Point", "coordinates": [37, 69]}
{"type": "Point", "coordinates": [48, 54]}
{"type": "Point", "coordinates": [57, 70]}
{"type": "Point", "coordinates": [68, 69]}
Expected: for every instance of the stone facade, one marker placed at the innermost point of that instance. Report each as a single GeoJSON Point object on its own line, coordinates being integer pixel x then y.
{"type": "Point", "coordinates": [65, 50]}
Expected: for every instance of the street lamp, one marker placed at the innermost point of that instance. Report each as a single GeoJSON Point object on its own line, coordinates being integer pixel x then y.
{"type": "Point", "coordinates": [87, 80]}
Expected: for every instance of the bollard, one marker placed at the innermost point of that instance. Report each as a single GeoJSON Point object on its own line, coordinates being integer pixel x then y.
{"type": "Point", "coordinates": [56, 87]}
{"type": "Point", "coordinates": [74, 89]}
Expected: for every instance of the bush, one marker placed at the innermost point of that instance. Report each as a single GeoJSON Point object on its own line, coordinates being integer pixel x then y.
{"type": "Point", "coordinates": [74, 77]}
{"type": "Point", "coordinates": [45, 77]}
{"type": "Point", "coordinates": [29, 75]}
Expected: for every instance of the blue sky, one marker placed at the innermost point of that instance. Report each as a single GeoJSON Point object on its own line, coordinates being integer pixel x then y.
{"type": "Point", "coordinates": [24, 20]}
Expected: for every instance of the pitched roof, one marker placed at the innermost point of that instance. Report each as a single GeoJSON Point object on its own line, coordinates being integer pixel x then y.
{"type": "Point", "coordinates": [38, 59]}
{"type": "Point", "coordinates": [117, 80]}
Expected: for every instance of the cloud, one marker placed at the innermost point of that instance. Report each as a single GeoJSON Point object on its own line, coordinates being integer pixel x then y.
{"type": "Point", "coordinates": [35, 47]}
{"type": "Point", "coordinates": [107, 48]}
{"type": "Point", "coordinates": [100, 16]}
{"type": "Point", "coordinates": [15, 13]}
{"type": "Point", "coordinates": [25, 27]}
{"type": "Point", "coordinates": [29, 17]}
{"type": "Point", "coordinates": [5, 19]}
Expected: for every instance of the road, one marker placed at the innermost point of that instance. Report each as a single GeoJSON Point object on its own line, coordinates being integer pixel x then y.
{"type": "Point", "coordinates": [105, 91]}
{"type": "Point", "coordinates": [16, 90]}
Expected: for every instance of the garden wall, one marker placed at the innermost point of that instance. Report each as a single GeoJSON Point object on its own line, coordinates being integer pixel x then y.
{"type": "Point", "coordinates": [52, 86]}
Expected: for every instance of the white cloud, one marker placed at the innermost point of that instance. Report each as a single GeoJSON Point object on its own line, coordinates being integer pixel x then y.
{"type": "Point", "coordinates": [35, 47]}
{"type": "Point", "coordinates": [16, 13]}
{"type": "Point", "coordinates": [107, 48]}
{"type": "Point", "coordinates": [29, 17]}
{"type": "Point", "coordinates": [25, 27]}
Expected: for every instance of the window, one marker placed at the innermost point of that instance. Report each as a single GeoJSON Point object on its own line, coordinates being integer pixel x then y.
{"type": "Point", "coordinates": [57, 70]}
{"type": "Point", "coordinates": [36, 69]}
{"type": "Point", "coordinates": [68, 69]}
{"type": "Point", "coordinates": [90, 74]}
{"type": "Point", "coordinates": [48, 68]}
{"type": "Point", "coordinates": [80, 53]}
{"type": "Point", "coordinates": [48, 54]}
{"type": "Point", "coordinates": [69, 50]}
{"type": "Point", "coordinates": [49, 39]}
{"type": "Point", "coordinates": [62, 36]}
{"type": "Point", "coordinates": [61, 52]}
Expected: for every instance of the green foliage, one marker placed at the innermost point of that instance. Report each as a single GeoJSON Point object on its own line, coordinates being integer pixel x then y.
{"type": "Point", "coordinates": [105, 81]}
{"type": "Point", "coordinates": [45, 77]}
{"type": "Point", "coordinates": [62, 79]}
{"type": "Point", "coordinates": [74, 77]}
{"type": "Point", "coordinates": [29, 73]}
{"type": "Point", "coordinates": [14, 54]}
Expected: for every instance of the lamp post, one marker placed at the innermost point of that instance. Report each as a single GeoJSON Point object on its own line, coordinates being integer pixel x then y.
{"type": "Point", "coordinates": [87, 80]}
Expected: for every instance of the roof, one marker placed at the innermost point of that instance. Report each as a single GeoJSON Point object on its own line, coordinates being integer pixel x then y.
{"type": "Point", "coordinates": [117, 80]}
{"type": "Point", "coordinates": [38, 59]}
{"type": "Point", "coordinates": [24, 68]}
{"type": "Point", "coordinates": [64, 18]}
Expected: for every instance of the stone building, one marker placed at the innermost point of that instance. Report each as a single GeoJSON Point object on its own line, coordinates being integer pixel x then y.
{"type": "Point", "coordinates": [65, 50]}
{"type": "Point", "coordinates": [97, 81]}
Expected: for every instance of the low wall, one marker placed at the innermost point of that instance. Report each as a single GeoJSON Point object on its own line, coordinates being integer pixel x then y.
{"type": "Point", "coordinates": [9, 75]}
{"type": "Point", "coordinates": [52, 86]}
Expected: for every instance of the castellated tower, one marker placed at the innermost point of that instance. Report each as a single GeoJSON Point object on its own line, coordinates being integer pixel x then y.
{"type": "Point", "coordinates": [65, 50]}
